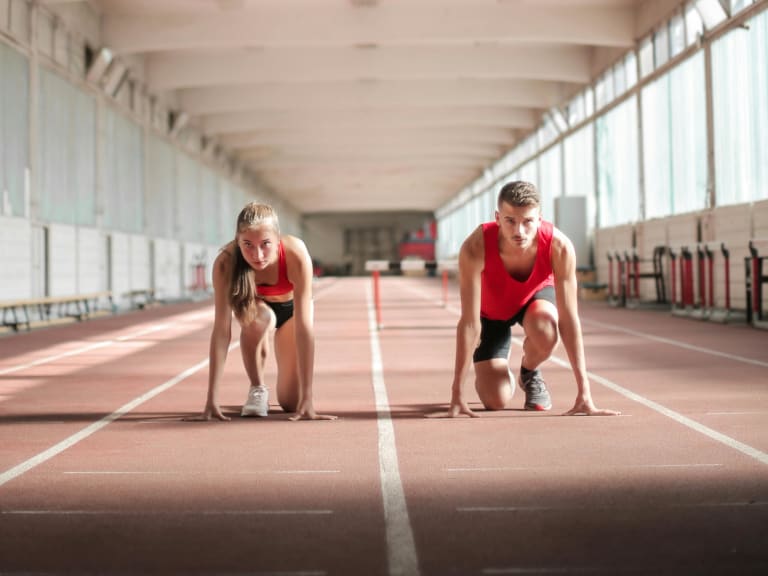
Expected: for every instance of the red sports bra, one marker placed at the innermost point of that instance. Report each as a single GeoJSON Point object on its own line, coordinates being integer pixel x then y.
{"type": "Point", "coordinates": [283, 285]}
{"type": "Point", "coordinates": [501, 296]}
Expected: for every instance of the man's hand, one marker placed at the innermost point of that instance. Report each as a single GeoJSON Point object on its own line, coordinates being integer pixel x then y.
{"type": "Point", "coordinates": [587, 407]}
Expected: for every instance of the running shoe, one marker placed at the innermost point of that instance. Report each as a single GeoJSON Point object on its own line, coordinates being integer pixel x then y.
{"type": "Point", "coordinates": [257, 403]}
{"type": "Point", "coordinates": [536, 393]}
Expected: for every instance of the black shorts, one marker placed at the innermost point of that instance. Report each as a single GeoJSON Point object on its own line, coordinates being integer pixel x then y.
{"type": "Point", "coordinates": [496, 336]}
{"type": "Point", "coordinates": [283, 311]}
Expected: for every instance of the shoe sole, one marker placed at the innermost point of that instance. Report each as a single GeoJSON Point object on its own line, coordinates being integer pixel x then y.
{"type": "Point", "coordinates": [246, 413]}
{"type": "Point", "coordinates": [538, 407]}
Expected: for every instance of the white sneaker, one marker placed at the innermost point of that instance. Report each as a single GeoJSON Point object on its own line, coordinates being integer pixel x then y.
{"type": "Point", "coordinates": [257, 403]}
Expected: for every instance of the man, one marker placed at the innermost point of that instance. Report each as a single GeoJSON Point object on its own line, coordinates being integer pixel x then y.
{"type": "Point", "coordinates": [518, 269]}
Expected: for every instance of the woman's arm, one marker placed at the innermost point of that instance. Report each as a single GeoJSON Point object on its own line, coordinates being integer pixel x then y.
{"type": "Point", "coordinates": [299, 268]}
{"type": "Point", "coordinates": [221, 335]}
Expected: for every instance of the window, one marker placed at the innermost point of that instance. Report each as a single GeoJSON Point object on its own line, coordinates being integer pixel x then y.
{"type": "Point", "coordinates": [14, 133]}
{"type": "Point", "coordinates": [740, 98]}
{"type": "Point", "coordinates": [676, 35]}
{"type": "Point", "coordinates": [646, 56]}
{"type": "Point", "coordinates": [694, 26]}
{"type": "Point", "coordinates": [674, 141]}
{"type": "Point", "coordinates": [579, 178]}
{"type": "Point", "coordinates": [617, 172]}
{"type": "Point", "coordinates": [711, 12]}
{"type": "Point", "coordinates": [661, 46]}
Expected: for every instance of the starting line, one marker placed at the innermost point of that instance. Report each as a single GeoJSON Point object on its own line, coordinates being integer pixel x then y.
{"type": "Point", "coordinates": [376, 267]}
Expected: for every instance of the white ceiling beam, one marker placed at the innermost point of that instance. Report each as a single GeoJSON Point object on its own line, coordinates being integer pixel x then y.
{"type": "Point", "coordinates": [299, 66]}
{"type": "Point", "coordinates": [272, 120]}
{"type": "Point", "coordinates": [365, 135]}
{"type": "Point", "coordinates": [388, 95]}
{"type": "Point", "coordinates": [391, 24]}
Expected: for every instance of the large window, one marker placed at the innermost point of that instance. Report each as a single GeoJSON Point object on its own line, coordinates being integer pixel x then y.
{"type": "Point", "coordinates": [617, 165]}
{"type": "Point", "coordinates": [740, 92]}
{"type": "Point", "coordinates": [161, 174]}
{"type": "Point", "coordinates": [675, 141]}
{"type": "Point", "coordinates": [550, 181]}
{"type": "Point", "coordinates": [123, 188]}
{"type": "Point", "coordinates": [66, 152]}
{"type": "Point", "coordinates": [14, 142]}
{"type": "Point", "coordinates": [579, 149]}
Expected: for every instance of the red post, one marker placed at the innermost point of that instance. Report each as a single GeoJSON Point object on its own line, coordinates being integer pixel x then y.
{"type": "Point", "coordinates": [711, 277]}
{"type": "Point", "coordinates": [726, 259]}
{"type": "Point", "coordinates": [377, 298]}
{"type": "Point", "coordinates": [673, 276]}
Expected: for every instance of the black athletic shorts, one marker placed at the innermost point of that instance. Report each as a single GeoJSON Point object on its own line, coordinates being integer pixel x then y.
{"type": "Point", "coordinates": [496, 335]}
{"type": "Point", "coordinates": [283, 311]}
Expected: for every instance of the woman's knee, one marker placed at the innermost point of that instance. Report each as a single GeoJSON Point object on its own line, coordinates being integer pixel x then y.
{"type": "Point", "coordinates": [263, 321]}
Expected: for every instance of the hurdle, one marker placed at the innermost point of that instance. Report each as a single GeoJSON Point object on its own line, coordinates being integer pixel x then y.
{"type": "Point", "coordinates": [755, 279]}
{"type": "Point", "coordinates": [376, 267]}
{"type": "Point", "coordinates": [682, 262]}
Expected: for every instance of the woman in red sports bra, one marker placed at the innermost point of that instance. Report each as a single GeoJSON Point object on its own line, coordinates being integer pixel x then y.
{"type": "Point", "coordinates": [265, 280]}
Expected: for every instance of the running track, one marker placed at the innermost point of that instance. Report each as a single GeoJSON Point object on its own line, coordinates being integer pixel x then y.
{"type": "Point", "coordinates": [100, 474]}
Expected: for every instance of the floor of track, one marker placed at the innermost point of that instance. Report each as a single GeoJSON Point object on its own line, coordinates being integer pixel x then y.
{"type": "Point", "coordinates": [101, 474]}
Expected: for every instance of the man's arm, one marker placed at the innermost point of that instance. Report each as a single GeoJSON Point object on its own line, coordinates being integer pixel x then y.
{"type": "Point", "coordinates": [566, 291]}
{"type": "Point", "coordinates": [471, 261]}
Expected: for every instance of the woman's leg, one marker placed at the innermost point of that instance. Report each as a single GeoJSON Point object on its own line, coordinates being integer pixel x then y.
{"type": "Point", "coordinates": [254, 343]}
{"type": "Point", "coordinates": [287, 366]}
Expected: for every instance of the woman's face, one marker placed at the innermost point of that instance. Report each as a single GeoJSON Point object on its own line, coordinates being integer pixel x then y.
{"type": "Point", "coordinates": [259, 246]}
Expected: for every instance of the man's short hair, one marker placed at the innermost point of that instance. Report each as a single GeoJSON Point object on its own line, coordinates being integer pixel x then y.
{"type": "Point", "coordinates": [519, 193]}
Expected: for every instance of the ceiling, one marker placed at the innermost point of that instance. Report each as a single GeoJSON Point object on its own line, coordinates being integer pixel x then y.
{"type": "Point", "coordinates": [365, 105]}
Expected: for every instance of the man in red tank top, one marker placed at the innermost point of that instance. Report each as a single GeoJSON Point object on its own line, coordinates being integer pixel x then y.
{"type": "Point", "coordinates": [518, 269]}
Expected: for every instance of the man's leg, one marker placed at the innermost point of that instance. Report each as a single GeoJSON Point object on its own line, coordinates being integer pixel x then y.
{"type": "Point", "coordinates": [541, 336]}
{"type": "Point", "coordinates": [494, 383]}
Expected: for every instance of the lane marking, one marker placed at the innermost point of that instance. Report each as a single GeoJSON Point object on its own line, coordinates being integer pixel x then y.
{"type": "Point", "coordinates": [401, 547]}
{"type": "Point", "coordinates": [679, 344]}
{"type": "Point", "coordinates": [55, 357]}
{"type": "Point", "coordinates": [263, 512]}
{"type": "Point", "coordinates": [176, 473]}
{"type": "Point", "coordinates": [77, 437]}
{"type": "Point", "coordinates": [502, 509]}
{"type": "Point", "coordinates": [758, 455]}
{"type": "Point", "coordinates": [617, 467]}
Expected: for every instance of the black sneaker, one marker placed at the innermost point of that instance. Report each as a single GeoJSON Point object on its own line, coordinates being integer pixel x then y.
{"type": "Point", "coordinates": [536, 394]}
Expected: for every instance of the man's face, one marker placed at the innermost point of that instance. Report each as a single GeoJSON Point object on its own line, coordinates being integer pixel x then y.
{"type": "Point", "coordinates": [518, 225]}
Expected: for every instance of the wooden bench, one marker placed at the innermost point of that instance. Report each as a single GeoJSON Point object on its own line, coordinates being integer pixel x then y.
{"type": "Point", "coordinates": [48, 309]}
{"type": "Point", "coordinates": [140, 298]}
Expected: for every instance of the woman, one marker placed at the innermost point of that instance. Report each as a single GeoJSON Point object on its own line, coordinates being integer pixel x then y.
{"type": "Point", "coordinates": [265, 280]}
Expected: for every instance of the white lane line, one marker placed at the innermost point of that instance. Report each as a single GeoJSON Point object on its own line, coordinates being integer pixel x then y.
{"type": "Point", "coordinates": [82, 349]}
{"type": "Point", "coordinates": [77, 437]}
{"type": "Point", "coordinates": [507, 509]}
{"type": "Point", "coordinates": [263, 512]}
{"type": "Point", "coordinates": [676, 416]}
{"type": "Point", "coordinates": [679, 344]}
{"type": "Point", "coordinates": [55, 357]}
{"type": "Point", "coordinates": [177, 473]}
{"type": "Point", "coordinates": [401, 547]}
{"type": "Point", "coordinates": [617, 467]}
{"type": "Point", "coordinates": [758, 455]}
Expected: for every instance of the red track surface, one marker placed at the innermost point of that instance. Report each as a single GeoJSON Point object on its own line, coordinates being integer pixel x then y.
{"type": "Point", "coordinates": [677, 485]}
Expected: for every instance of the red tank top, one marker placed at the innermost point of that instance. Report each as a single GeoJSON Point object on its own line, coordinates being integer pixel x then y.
{"type": "Point", "coordinates": [501, 296]}
{"type": "Point", "coordinates": [283, 285]}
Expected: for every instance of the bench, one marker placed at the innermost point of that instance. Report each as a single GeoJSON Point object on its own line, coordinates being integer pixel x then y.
{"type": "Point", "coordinates": [140, 298]}
{"type": "Point", "coordinates": [49, 309]}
